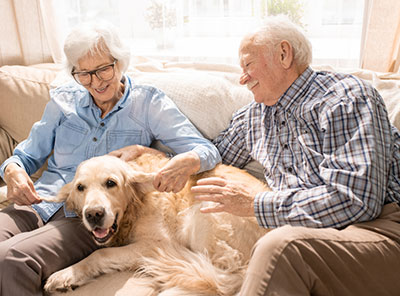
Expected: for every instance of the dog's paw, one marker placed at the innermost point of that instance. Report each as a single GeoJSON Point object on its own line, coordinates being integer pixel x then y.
{"type": "Point", "coordinates": [63, 281]}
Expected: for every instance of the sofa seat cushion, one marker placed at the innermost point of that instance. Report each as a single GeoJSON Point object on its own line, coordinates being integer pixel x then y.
{"type": "Point", "coordinates": [117, 284]}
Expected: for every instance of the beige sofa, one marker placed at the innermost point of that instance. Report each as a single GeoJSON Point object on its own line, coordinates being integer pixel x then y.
{"type": "Point", "coordinates": [207, 93]}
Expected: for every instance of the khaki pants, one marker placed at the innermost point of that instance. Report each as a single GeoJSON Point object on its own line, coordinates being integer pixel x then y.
{"type": "Point", "coordinates": [7, 145]}
{"type": "Point", "coordinates": [30, 251]}
{"type": "Point", "coordinates": [361, 259]}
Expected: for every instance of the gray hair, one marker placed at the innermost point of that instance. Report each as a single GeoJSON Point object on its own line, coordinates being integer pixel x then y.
{"type": "Point", "coordinates": [279, 28]}
{"type": "Point", "coordinates": [95, 37]}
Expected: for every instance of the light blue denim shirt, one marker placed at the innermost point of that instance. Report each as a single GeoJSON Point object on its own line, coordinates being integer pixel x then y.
{"type": "Point", "coordinates": [72, 128]}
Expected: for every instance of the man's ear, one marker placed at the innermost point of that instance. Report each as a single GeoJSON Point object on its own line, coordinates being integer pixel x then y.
{"type": "Point", "coordinates": [61, 196]}
{"type": "Point", "coordinates": [286, 54]}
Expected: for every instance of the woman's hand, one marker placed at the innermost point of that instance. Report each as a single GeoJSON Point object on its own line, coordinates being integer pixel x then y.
{"type": "Point", "coordinates": [20, 189]}
{"type": "Point", "coordinates": [174, 175]}
{"type": "Point", "coordinates": [133, 151]}
{"type": "Point", "coordinates": [230, 196]}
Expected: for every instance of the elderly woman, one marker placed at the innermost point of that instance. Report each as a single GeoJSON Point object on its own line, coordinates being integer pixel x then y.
{"type": "Point", "coordinates": [100, 112]}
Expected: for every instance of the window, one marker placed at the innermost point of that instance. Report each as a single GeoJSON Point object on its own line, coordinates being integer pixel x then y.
{"type": "Point", "coordinates": [211, 30]}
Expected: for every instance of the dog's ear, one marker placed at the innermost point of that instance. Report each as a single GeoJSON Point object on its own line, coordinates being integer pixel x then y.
{"type": "Point", "coordinates": [143, 182]}
{"type": "Point", "coordinates": [61, 196]}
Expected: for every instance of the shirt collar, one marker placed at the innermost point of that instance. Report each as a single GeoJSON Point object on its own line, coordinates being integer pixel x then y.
{"type": "Point", "coordinates": [291, 96]}
{"type": "Point", "coordinates": [87, 101]}
{"type": "Point", "coordinates": [127, 89]}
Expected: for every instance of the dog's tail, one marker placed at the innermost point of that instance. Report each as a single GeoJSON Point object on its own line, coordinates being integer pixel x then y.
{"type": "Point", "coordinates": [184, 270]}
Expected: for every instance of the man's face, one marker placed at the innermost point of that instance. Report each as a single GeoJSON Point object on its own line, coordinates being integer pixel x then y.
{"type": "Point", "coordinates": [262, 72]}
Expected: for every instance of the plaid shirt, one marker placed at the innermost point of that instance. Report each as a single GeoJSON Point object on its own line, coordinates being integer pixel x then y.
{"type": "Point", "coordinates": [329, 152]}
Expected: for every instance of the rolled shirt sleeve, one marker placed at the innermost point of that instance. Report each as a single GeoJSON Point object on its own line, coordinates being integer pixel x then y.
{"type": "Point", "coordinates": [169, 125]}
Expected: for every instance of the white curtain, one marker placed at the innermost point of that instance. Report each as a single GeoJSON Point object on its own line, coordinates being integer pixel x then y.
{"type": "Point", "coordinates": [381, 49]}
{"type": "Point", "coordinates": [54, 26]}
{"type": "Point", "coordinates": [29, 32]}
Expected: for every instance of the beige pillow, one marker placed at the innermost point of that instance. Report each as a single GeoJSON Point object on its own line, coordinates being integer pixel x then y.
{"type": "Point", "coordinates": [207, 99]}
{"type": "Point", "coordinates": [24, 92]}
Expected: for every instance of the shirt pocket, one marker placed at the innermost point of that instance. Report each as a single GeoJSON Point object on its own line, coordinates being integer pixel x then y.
{"type": "Point", "coordinates": [69, 138]}
{"type": "Point", "coordinates": [308, 157]}
{"type": "Point", "coordinates": [120, 138]}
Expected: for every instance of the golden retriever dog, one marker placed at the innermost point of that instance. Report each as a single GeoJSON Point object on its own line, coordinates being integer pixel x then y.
{"type": "Point", "coordinates": [157, 234]}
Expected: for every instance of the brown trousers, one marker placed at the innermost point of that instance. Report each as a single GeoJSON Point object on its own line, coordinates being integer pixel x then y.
{"type": "Point", "coordinates": [361, 259]}
{"type": "Point", "coordinates": [30, 251]}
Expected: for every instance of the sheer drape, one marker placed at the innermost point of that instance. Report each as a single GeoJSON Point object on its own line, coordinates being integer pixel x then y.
{"type": "Point", "coordinates": [29, 32]}
{"type": "Point", "coordinates": [381, 50]}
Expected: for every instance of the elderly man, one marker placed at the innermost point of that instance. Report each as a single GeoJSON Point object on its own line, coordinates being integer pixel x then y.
{"type": "Point", "coordinates": [332, 159]}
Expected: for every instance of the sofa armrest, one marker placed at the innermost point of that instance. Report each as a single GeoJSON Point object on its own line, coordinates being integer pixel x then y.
{"type": "Point", "coordinates": [3, 193]}
{"type": "Point", "coordinates": [7, 145]}
{"type": "Point", "coordinates": [3, 197]}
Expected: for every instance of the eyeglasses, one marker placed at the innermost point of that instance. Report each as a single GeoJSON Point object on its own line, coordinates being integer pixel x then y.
{"type": "Point", "coordinates": [104, 73]}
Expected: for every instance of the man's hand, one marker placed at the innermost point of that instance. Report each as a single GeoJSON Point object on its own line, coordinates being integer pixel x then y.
{"type": "Point", "coordinates": [174, 175]}
{"type": "Point", "coordinates": [133, 151]}
{"type": "Point", "coordinates": [230, 196]}
{"type": "Point", "coordinates": [20, 189]}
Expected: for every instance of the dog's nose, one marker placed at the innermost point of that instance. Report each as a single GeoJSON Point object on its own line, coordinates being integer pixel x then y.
{"type": "Point", "coordinates": [94, 215]}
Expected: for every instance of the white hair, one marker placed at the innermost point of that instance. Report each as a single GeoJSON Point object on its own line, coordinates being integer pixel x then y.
{"type": "Point", "coordinates": [95, 37]}
{"type": "Point", "coordinates": [279, 28]}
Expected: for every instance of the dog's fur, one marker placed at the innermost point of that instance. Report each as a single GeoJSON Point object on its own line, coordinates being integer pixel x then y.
{"type": "Point", "coordinates": [160, 234]}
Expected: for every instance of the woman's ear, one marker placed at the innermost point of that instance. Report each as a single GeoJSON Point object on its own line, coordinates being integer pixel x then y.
{"type": "Point", "coordinates": [286, 54]}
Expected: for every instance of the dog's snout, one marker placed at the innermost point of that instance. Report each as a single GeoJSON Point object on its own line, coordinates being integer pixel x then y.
{"type": "Point", "coordinates": [95, 215]}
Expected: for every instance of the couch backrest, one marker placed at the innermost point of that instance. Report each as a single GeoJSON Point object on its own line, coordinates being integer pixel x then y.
{"type": "Point", "coordinates": [206, 94]}
{"type": "Point", "coordinates": [24, 92]}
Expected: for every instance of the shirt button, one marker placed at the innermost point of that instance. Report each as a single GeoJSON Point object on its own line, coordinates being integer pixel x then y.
{"type": "Point", "coordinates": [290, 169]}
{"type": "Point", "coordinates": [102, 124]}
{"type": "Point", "coordinates": [285, 146]}
{"type": "Point", "coordinates": [283, 122]}
{"type": "Point", "coordinates": [94, 139]}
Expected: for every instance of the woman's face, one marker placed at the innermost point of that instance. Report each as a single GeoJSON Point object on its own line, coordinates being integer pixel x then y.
{"type": "Point", "coordinates": [103, 91]}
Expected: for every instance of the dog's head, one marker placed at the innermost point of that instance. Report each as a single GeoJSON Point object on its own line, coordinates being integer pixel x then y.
{"type": "Point", "coordinates": [101, 192]}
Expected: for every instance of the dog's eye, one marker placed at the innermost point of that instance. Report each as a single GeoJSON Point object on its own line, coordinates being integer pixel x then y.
{"type": "Point", "coordinates": [110, 183]}
{"type": "Point", "coordinates": [80, 187]}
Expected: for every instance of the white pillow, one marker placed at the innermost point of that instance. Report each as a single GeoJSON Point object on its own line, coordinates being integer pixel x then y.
{"type": "Point", "coordinates": [207, 99]}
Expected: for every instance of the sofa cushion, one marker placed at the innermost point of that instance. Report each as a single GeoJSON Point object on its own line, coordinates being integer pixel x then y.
{"type": "Point", "coordinates": [207, 98]}
{"type": "Point", "coordinates": [24, 91]}
{"type": "Point", "coordinates": [122, 283]}
{"type": "Point", "coordinates": [7, 145]}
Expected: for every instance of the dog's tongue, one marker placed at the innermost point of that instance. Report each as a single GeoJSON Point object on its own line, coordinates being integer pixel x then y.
{"type": "Point", "coordinates": [100, 232]}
